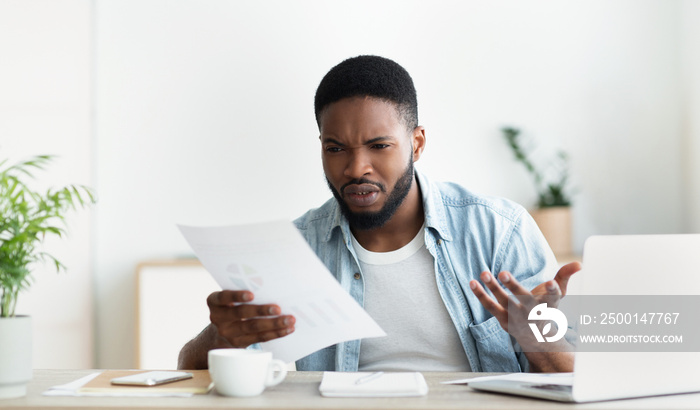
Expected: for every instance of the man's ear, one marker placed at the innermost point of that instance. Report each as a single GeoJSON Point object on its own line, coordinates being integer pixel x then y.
{"type": "Point", "coordinates": [418, 140]}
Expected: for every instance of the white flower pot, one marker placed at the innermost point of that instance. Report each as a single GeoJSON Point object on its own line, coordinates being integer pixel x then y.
{"type": "Point", "coordinates": [15, 356]}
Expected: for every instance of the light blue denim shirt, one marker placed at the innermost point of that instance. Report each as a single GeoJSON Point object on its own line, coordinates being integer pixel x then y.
{"type": "Point", "coordinates": [466, 234]}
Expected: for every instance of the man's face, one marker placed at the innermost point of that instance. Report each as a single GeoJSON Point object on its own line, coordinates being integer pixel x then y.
{"type": "Point", "coordinates": [368, 156]}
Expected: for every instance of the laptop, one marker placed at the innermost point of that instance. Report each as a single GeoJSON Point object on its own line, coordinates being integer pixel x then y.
{"type": "Point", "coordinates": [623, 265]}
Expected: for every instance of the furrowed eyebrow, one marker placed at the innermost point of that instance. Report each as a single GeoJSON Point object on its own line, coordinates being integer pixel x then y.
{"type": "Point", "coordinates": [377, 139]}
{"type": "Point", "coordinates": [327, 140]}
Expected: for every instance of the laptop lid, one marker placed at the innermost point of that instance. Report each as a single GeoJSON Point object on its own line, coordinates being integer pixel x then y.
{"type": "Point", "coordinates": [638, 265]}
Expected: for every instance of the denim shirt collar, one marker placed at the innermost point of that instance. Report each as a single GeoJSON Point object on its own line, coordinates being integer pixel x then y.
{"type": "Point", "coordinates": [435, 217]}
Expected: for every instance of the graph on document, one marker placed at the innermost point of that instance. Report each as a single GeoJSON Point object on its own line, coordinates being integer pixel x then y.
{"type": "Point", "coordinates": [244, 277]}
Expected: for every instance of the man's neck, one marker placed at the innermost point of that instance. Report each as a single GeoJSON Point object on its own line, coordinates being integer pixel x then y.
{"type": "Point", "coordinates": [400, 229]}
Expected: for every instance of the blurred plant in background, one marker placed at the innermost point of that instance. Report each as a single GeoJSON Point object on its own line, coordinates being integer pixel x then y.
{"type": "Point", "coordinates": [551, 181]}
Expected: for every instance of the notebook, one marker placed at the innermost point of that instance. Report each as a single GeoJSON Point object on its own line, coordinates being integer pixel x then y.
{"type": "Point", "coordinates": [623, 265]}
{"type": "Point", "coordinates": [344, 384]}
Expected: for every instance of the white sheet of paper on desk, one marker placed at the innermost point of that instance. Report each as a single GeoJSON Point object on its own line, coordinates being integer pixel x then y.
{"type": "Point", "coordinates": [273, 261]}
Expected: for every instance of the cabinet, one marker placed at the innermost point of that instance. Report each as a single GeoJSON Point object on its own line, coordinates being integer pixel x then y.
{"type": "Point", "coordinates": [171, 309]}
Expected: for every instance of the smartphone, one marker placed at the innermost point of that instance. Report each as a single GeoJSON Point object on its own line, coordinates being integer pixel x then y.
{"type": "Point", "coordinates": [151, 378]}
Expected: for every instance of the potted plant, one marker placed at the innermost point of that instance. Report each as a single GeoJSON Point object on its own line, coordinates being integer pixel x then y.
{"type": "Point", "coordinates": [26, 218]}
{"type": "Point", "coordinates": [553, 212]}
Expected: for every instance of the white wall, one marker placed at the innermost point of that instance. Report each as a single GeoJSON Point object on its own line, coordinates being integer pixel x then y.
{"type": "Point", "coordinates": [45, 108]}
{"type": "Point", "coordinates": [205, 113]}
{"type": "Point", "coordinates": [204, 116]}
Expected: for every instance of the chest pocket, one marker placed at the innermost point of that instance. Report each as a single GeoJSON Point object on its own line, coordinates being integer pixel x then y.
{"type": "Point", "coordinates": [494, 347]}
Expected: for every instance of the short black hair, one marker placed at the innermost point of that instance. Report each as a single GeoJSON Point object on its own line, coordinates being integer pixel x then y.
{"type": "Point", "coordinates": [369, 76]}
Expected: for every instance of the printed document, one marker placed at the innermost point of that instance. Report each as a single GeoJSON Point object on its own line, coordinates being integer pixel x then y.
{"type": "Point", "coordinates": [275, 262]}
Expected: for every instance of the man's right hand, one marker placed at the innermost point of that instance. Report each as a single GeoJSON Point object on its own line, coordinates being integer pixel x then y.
{"type": "Point", "coordinates": [234, 323]}
{"type": "Point", "coordinates": [242, 324]}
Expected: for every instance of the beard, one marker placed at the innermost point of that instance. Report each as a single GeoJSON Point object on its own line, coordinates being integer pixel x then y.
{"type": "Point", "coordinates": [366, 221]}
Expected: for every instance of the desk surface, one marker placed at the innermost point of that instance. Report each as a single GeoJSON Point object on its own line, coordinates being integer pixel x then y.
{"type": "Point", "coordinates": [300, 391]}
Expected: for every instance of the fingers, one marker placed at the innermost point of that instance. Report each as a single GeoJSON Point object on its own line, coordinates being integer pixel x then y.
{"type": "Point", "coordinates": [242, 323]}
{"type": "Point", "coordinates": [247, 332]}
{"type": "Point", "coordinates": [229, 297]}
{"type": "Point", "coordinates": [562, 277]}
{"type": "Point", "coordinates": [242, 312]}
{"type": "Point", "coordinates": [229, 305]}
{"type": "Point", "coordinates": [496, 309]}
{"type": "Point", "coordinates": [513, 285]}
{"type": "Point", "coordinates": [510, 283]}
{"type": "Point", "coordinates": [552, 288]}
{"type": "Point", "coordinates": [496, 290]}
{"type": "Point", "coordinates": [552, 293]}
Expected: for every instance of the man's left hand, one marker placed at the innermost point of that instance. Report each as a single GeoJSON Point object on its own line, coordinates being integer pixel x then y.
{"type": "Point", "coordinates": [550, 291]}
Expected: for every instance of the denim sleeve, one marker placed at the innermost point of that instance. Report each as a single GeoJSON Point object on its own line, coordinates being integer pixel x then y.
{"type": "Point", "coordinates": [527, 255]}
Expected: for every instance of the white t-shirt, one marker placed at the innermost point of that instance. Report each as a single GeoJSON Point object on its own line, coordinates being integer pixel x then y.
{"type": "Point", "coordinates": [401, 294]}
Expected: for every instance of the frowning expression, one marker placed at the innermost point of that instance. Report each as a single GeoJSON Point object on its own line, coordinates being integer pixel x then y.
{"type": "Point", "coordinates": [368, 154]}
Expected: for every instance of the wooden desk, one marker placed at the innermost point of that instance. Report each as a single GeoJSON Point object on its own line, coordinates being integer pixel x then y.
{"type": "Point", "coordinates": [300, 391]}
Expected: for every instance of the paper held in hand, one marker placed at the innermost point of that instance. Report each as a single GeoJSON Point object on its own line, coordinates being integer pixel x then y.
{"type": "Point", "coordinates": [273, 261]}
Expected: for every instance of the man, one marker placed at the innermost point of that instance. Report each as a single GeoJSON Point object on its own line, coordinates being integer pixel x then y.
{"type": "Point", "coordinates": [413, 252]}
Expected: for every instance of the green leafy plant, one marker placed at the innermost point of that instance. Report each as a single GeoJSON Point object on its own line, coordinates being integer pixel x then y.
{"type": "Point", "coordinates": [551, 191]}
{"type": "Point", "coordinates": [26, 217]}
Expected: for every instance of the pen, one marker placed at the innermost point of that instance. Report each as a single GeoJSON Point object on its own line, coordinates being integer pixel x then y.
{"type": "Point", "coordinates": [368, 378]}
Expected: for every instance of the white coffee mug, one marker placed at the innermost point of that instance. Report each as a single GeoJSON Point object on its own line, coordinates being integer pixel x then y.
{"type": "Point", "coordinates": [244, 372]}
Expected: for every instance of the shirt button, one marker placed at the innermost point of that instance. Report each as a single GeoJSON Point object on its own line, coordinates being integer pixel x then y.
{"type": "Point", "coordinates": [358, 276]}
{"type": "Point", "coordinates": [439, 241]}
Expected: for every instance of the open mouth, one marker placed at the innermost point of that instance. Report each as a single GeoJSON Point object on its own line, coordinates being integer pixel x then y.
{"type": "Point", "coordinates": [361, 195]}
